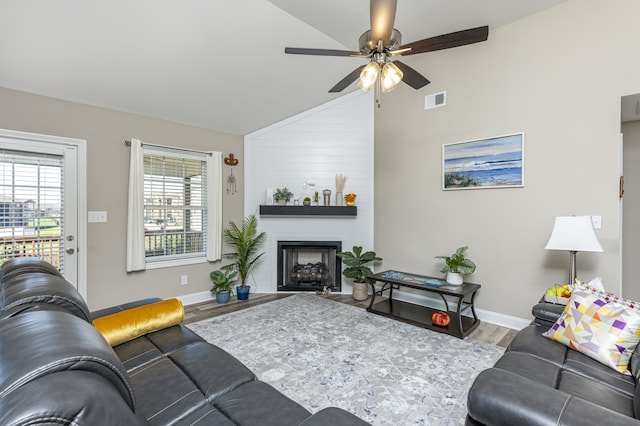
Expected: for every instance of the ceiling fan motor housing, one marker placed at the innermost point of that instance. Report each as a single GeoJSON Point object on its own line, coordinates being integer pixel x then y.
{"type": "Point", "coordinates": [368, 46]}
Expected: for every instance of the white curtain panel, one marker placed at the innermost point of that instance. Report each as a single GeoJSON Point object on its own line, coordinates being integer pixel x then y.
{"type": "Point", "coordinates": [214, 206]}
{"type": "Point", "coordinates": [135, 213]}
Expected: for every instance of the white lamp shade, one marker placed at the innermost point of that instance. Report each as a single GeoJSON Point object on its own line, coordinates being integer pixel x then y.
{"type": "Point", "coordinates": [573, 233]}
{"type": "Point", "coordinates": [391, 76]}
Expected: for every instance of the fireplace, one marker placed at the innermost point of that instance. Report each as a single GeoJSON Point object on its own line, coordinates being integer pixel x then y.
{"type": "Point", "coordinates": [309, 266]}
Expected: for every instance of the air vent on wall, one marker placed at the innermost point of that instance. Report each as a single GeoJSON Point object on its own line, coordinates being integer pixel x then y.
{"type": "Point", "coordinates": [436, 100]}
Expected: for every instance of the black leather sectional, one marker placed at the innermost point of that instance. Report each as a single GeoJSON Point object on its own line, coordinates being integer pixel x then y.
{"type": "Point", "coordinates": [56, 369]}
{"type": "Point", "coordinates": [542, 382]}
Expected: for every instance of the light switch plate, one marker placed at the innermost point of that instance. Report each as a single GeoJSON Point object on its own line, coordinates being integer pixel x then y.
{"type": "Point", "coordinates": [97, 217]}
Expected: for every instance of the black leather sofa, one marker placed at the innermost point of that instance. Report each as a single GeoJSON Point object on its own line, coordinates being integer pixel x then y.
{"type": "Point", "coordinates": [57, 369]}
{"type": "Point", "coordinates": [542, 382]}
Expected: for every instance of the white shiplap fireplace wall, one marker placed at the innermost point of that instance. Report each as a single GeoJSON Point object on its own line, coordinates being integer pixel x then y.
{"type": "Point", "coordinates": [314, 146]}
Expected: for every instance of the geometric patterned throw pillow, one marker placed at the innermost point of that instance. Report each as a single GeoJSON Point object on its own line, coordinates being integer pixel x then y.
{"type": "Point", "coordinates": [600, 325]}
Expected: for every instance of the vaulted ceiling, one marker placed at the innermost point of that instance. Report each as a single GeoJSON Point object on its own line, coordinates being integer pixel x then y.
{"type": "Point", "coordinates": [210, 63]}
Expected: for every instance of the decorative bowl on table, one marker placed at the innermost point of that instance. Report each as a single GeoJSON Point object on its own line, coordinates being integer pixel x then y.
{"type": "Point", "coordinates": [394, 275]}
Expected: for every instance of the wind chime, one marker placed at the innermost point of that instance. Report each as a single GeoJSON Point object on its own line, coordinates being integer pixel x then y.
{"type": "Point", "coordinates": [231, 161]}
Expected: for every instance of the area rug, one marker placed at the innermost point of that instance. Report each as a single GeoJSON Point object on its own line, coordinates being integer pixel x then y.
{"type": "Point", "coordinates": [324, 353]}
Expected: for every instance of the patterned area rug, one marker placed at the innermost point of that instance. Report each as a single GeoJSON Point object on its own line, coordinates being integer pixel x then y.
{"type": "Point", "coordinates": [324, 353]}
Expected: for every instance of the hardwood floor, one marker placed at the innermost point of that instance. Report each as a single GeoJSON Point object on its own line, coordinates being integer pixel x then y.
{"type": "Point", "coordinates": [486, 332]}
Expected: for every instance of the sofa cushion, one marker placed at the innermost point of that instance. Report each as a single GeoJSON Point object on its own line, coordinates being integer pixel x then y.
{"type": "Point", "coordinates": [131, 323]}
{"type": "Point", "coordinates": [602, 328]}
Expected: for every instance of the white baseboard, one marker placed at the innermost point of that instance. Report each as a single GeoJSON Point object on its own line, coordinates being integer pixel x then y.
{"type": "Point", "coordinates": [418, 299]}
{"type": "Point", "coordinates": [193, 298]}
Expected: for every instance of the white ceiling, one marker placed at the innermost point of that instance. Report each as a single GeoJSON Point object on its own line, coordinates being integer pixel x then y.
{"type": "Point", "coordinates": [217, 64]}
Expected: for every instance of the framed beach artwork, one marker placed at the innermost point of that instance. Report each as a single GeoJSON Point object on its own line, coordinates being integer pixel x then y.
{"type": "Point", "coordinates": [484, 163]}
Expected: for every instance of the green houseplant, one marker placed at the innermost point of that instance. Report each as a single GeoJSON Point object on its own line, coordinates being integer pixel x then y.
{"type": "Point", "coordinates": [245, 240]}
{"type": "Point", "coordinates": [282, 195]}
{"type": "Point", "coordinates": [222, 282]}
{"type": "Point", "coordinates": [357, 269]}
{"type": "Point", "coordinates": [457, 265]}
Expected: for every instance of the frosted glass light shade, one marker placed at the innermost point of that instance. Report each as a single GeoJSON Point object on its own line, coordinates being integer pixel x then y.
{"type": "Point", "coordinates": [391, 76]}
{"type": "Point", "coordinates": [368, 76]}
{"type": "Point", "coordinates": [573, 233]}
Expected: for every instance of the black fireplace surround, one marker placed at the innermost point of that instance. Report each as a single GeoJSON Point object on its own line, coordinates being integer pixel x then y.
{"type": "Point", "coordinates": [309, 266]}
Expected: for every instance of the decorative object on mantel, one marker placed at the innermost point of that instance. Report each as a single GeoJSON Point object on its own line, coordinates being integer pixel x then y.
{"type": "Point", "coordinates": [306, 201]}
{"type": "Point", "coordinates": [316, 198]}
{"type": "Point", "coordinates": [282, 196]}
{"type": "Point", "coordinates": [358, 270]}
{"type": "Point", "coordinates": [231, 161]}
{"type": "Point", "coordinates": [457, 266]}
{"type": "Point", "coordinates": [327, 196]}
{"type": "Point", "coordinates": [340, 182]}
{"type": "Point", "coordinates": [350, 199]}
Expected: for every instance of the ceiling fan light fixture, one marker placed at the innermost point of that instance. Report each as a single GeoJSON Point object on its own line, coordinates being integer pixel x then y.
{"type": "Point", "coordinates": [391, 76]}
{"type": "Point", "coordinates": [368, 76]}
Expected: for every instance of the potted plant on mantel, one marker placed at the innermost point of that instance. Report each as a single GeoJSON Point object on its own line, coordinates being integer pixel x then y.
{"type": "Point", "coordinates": [457, 266]}
{"type": "Point", "coordinates": [358, 270]}
{"type": "Point", "coordinates": [222, 282]}
{"type": "Point", "coordinates": [246, 241]}
{"type": "Point", "coordinates": [282, 196]}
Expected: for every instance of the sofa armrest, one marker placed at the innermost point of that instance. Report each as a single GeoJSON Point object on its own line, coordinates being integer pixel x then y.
{"type": "Point", "coordinates": [500, 397]}
{"type": "Point", "coordinates": [333, 416]}
{"type": "Point", "coordinates": [546, 313]}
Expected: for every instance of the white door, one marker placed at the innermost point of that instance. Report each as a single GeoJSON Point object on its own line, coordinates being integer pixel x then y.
{"type": "Point", "coordinates": [42, 201]}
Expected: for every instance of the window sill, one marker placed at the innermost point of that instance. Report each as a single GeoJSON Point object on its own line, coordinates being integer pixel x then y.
{"type": "Point", "coordinates": [176, 262]}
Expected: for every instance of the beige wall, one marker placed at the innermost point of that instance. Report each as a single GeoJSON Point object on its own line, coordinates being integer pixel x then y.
{"type": "Point", "coordinates": [107, 162]}
{"type": "Point", "coordinates": [556, 76]}
{"type": "Point", "coordinates": [631, 210]}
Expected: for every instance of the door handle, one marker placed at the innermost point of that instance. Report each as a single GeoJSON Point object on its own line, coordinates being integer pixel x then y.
{"type": "Point", "coordinates": [70, 251]}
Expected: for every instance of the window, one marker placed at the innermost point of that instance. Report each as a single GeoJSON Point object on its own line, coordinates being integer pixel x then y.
{"type": "Point", "coordinates": [179, 207]}
{"type": "Point", "coordinates": [31, 206]}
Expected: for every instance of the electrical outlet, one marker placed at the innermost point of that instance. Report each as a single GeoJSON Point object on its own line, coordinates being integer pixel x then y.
{"type": "Point", "coordinates": [184, 279]}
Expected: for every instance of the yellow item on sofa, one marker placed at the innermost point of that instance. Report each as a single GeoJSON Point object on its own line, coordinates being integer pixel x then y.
{"type": "Point", "coordinates": [127, 325]}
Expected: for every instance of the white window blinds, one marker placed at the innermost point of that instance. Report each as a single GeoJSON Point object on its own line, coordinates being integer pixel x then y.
{"type": "Point", "coordinates": [31, 206]}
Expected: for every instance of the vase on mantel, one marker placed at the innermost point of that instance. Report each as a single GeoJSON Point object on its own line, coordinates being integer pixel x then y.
{"type": "Point", "coordinates": [338, 198]}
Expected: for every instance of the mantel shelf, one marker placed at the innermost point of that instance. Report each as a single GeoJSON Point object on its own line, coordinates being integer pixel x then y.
{"type": "Point", "coordinates": [308, 210]}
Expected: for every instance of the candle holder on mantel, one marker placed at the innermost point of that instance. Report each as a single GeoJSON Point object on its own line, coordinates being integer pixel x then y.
{"type": "Point", "coordinates": [327, 196]}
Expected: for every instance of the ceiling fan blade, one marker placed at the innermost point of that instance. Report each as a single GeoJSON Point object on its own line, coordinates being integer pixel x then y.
{"type": "Point", "coordinates": [383, 16]}
{"type": "Point", "coordinates": [321, 52]}
{"type": "Point", "coordinates": [447, 41]}
{"type": "Point", "coordinates": [410, 76]}
{"type": "Point", "coordinates": [345, 82]}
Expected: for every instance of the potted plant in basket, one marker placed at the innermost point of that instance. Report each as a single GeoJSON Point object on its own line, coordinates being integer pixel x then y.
{"type": "Point", "coordinates": [282, 195]}
{"type": "Point", "coordinates": [246, 241]}
{"type": "Point", "coordinates": [222, 281]}
{"type": "Point", "coordinates": [358, 270]}
{"type": "Point", "coordinates": [457, 266]}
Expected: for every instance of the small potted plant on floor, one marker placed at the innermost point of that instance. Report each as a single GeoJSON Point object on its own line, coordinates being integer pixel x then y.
{"type": "Point", "coordinates": [282, 196]}
{"type": "Point", "coordinates": [457, 266]}
{"type": "Point", "coordinates": [358, 270]}
{"type": "Point", "coordinates": [222, 282]}
{"type": "Point", "coordinates": [246, 241]}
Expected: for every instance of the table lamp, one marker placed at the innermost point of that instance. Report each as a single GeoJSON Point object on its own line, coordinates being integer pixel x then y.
{"type": "Point", "coordinates": [573, 233]}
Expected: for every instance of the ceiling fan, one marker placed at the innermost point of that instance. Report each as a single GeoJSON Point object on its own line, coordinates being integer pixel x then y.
{"type": "Point", "coordinates": [383, 42]}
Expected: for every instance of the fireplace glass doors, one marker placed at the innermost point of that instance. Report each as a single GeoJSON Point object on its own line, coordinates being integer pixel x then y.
{"type": "Point", "coordinates": [309, 266]}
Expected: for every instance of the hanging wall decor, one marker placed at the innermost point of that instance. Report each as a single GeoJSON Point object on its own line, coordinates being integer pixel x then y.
{"type": "Point", "coordinates": [231, 161]}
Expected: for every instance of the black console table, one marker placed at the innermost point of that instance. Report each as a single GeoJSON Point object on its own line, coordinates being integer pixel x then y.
{"type": "Point", "coordinates": [464, 295]}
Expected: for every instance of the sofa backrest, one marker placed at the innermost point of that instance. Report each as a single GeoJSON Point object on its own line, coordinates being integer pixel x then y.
{"type": "Point", "coordinates": [56, 365]}
{"type": "Point", "coordinates": [28, 284]}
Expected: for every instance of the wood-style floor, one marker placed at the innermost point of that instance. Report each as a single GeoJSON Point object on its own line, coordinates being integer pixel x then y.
{"type": "Point", "coordinates": [486, 332]}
